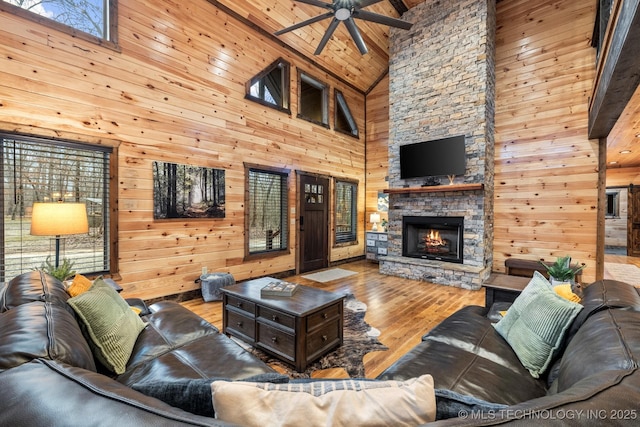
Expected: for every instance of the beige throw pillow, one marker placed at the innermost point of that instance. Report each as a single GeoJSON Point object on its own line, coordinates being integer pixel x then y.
{"type": "Point", "coordinates": [326, 403]}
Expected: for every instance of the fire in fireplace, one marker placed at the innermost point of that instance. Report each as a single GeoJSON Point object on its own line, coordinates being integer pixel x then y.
{"type": "Point", "coordinates": [428, 237]}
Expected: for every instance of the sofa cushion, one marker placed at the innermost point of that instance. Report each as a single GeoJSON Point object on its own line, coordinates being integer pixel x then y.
{"type": "Point", "coordinates": [322, 403]}
{"type": "Point", "coordinates": [33, 286]}
{"type": "Point", "coordinates": [42, 330]}
{"type": "Point", "coordinates": [604, 294]}
{"type": "Point", "coordinates": [466, 355]}
{"type": "Point", "coordinates": [178, 344]}
{"type": "Point", "coordinates": [111, 326]}
{"type": "Point", "coordinates": [608, 341]}
{"type": "Point", "coordinates": [47, 393]}
{"type": "Point", "coordinates": [535, 324]}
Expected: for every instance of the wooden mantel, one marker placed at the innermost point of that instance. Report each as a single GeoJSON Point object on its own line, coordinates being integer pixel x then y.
{"type": "Point", "coordinates": [435, 188]}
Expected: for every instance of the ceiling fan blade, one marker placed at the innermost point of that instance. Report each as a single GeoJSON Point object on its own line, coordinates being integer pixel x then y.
{"type": "Point", "coordinates": [327, 35]}
{"type": "Point", "coordinates": [365, 3]}
{"type": "Point", "coordinates": [316, 3]}
{"type": "Point", "coordinates": [303, 23]}
{"type": "Point", "coordinates": [355, 35]}
{"type": "Point", "coordinates": [381, 19]}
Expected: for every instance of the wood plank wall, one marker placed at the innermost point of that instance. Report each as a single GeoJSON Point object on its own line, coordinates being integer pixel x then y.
{"type": "Point", "coordinates": [546, 168]}
{"type": "Point", "coordinates": [377, 163]}
{"type": "Point", "coordinates": [175, 92]}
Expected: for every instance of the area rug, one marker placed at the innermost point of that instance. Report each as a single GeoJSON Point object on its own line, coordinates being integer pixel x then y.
{"type": "Point", "coordinates": [359, 338]}
{"type": "Point", "coordinates": [329, 275]}
{"type": "Point", "coordinates": [627, 273]}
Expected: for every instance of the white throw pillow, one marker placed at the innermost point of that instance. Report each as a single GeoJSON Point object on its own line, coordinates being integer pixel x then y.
{"type": "Point", "coordinates": [322, 403]}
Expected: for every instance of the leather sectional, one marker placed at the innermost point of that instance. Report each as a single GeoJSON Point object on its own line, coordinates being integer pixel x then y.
{"type": "Point", "coordinates": [48, 376]}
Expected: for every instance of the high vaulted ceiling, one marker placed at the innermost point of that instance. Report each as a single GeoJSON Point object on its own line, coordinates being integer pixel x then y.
{"type": "Point", "coordinates": [340, 56]}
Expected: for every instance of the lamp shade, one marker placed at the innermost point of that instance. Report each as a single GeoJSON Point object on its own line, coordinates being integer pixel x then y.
{"type": "Point", "coordinates": [59, 219]}
{"type": "Point", "coordinates": [374, 217]}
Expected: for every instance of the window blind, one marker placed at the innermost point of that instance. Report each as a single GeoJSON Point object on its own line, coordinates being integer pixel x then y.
{"type": "Point", "coordinates": [41, 170]}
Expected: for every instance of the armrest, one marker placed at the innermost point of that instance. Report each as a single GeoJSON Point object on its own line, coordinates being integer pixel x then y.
{"type": "Point", "coordinates": [50, 393]}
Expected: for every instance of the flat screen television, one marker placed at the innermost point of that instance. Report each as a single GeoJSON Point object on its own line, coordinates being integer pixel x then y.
{"type": "Point", "coordinates": [433, 158]}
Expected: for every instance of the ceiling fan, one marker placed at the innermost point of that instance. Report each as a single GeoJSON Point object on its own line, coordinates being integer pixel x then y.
{"type": "Point", "coordinates": [346, 11]}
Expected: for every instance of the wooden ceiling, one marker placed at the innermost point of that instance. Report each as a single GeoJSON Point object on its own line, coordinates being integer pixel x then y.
{"type": "Point", "coordinates": [341, 57]}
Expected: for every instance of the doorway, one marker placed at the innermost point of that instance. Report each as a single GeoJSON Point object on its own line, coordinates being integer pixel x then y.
{"type": "Point", "coordinates": [313, 221]}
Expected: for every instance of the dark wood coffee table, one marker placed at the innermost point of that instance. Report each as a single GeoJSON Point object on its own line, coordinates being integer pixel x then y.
{"type": "Point", "coordinates": [296, 329]}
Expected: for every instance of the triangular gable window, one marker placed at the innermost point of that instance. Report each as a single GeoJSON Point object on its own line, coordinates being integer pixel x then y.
{"type": "Point", "coordinates": [271, 86]}
{"type": "Point", "coordinates": [344, 121]}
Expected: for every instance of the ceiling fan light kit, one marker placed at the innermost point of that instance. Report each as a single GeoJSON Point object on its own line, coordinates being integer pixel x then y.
{"type": "Point", "coordinates": [346, 11]}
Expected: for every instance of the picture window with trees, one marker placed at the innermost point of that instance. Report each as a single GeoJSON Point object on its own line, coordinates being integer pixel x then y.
{"type": "Point", "coordinates": [266, 218]}
{"type": "Point", "coordinates": [183, 191]}
{"type": "Point", "coordinates": [346, 214]}
{"type": "Point", "coordinates": [45, 170]}
{"type": "Point", "coordinates": [92, 20]}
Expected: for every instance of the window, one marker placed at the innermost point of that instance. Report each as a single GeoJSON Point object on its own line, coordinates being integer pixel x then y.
{"type": "Point", "coordinates": [40, 170]}
{"type": "Point", "coordinates": [271, 86]}
{"type": "Point", "coordinates": [266, 219]}
{"type": "Point", "coordinates": [93, 20]}
{"type": "Point", "coordinates": [346, 211]}
{"type": "Point", "coordinates": [613, 204]}
{"type": "Point", "coordinates": [313, 100]}
{"type": "Point", "coordinates": [344, 121]}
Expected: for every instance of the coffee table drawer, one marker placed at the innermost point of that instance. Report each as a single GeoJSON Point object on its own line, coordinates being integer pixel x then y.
{"type": "Point", "coordinates": [323, 316]}
{"type": "Point", "coordinates": [276, 340]}
{"type": "Point", "coordinates": [324, 338]}
{"type": "Point", "coordinates": [239, 324]}
{"type": "Point", "coordinates": [277, 317]}
{"type": "Point", "coordinates": [241, 304]}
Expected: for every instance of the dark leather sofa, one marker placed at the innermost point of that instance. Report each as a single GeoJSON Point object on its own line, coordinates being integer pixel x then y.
{"type": "Point", "coordinates": [48, 376]}
{"type": "Point", "coordinates": [594, 381]}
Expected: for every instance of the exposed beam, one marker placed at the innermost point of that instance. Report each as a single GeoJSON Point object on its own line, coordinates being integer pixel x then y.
{"type": "Point", "coordinates": [620, 73]}
{"type": "Point", "coordinates": [399, 6]}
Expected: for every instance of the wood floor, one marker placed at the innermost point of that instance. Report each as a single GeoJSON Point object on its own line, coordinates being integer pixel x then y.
{"type": "Point", "coordinates": [619, 259]}
{"type": "Point", "coordinates": [403, 310]}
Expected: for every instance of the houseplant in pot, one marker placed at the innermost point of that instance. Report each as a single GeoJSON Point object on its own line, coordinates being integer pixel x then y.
{"type": "Point", "coordinates": [562, 271]}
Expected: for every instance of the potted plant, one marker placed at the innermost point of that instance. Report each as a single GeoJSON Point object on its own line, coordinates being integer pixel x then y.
{"type": "Point", "coordinates": [562, 271]}
{"type": "Point", "coordinates": [62, 272]}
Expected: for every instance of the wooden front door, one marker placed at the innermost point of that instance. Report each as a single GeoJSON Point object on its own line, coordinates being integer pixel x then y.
{"type": "Point", "coordinates": [313, 221]}
{"type": "Point", "coordinates": [633, 222]}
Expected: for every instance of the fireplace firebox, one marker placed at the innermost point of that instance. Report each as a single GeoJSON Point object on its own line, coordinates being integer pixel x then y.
{"type": "Point", "coordinates": [429, 237]}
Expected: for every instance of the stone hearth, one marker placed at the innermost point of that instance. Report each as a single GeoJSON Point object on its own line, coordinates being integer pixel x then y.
{"type": "Point", "coordinates": [442, 84]}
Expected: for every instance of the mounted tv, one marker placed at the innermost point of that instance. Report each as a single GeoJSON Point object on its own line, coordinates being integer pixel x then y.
{"type": "Point", "coordinates": [438, 157]}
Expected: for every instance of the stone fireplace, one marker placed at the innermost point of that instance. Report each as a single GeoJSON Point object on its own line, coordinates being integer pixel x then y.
{"type": "Point", "coordinates": [429, 237]}
{"type": "Point", "coordinates": [442, 84]}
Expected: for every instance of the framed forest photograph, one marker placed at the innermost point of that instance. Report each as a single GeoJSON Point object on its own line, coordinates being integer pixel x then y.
{"type": "Point", "coordinates": [183, 191]}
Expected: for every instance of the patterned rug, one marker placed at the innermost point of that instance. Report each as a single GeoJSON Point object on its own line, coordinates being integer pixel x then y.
{"type": "Point", "coordinates": [358, 339]}
{"type": "Point", "coordinates": [627, 273]}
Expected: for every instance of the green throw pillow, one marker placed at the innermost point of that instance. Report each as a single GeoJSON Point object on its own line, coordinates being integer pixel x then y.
{"type": "Point", "coordinates": [535, 324]}
{"type": "Point", "coordinates": [112, 327]}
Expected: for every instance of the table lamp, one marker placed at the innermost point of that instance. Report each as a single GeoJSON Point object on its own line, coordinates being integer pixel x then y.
{"type": "Point", "coordinates": [375, 219]}
{"type": "Point", "coordinates": [59, 219]}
